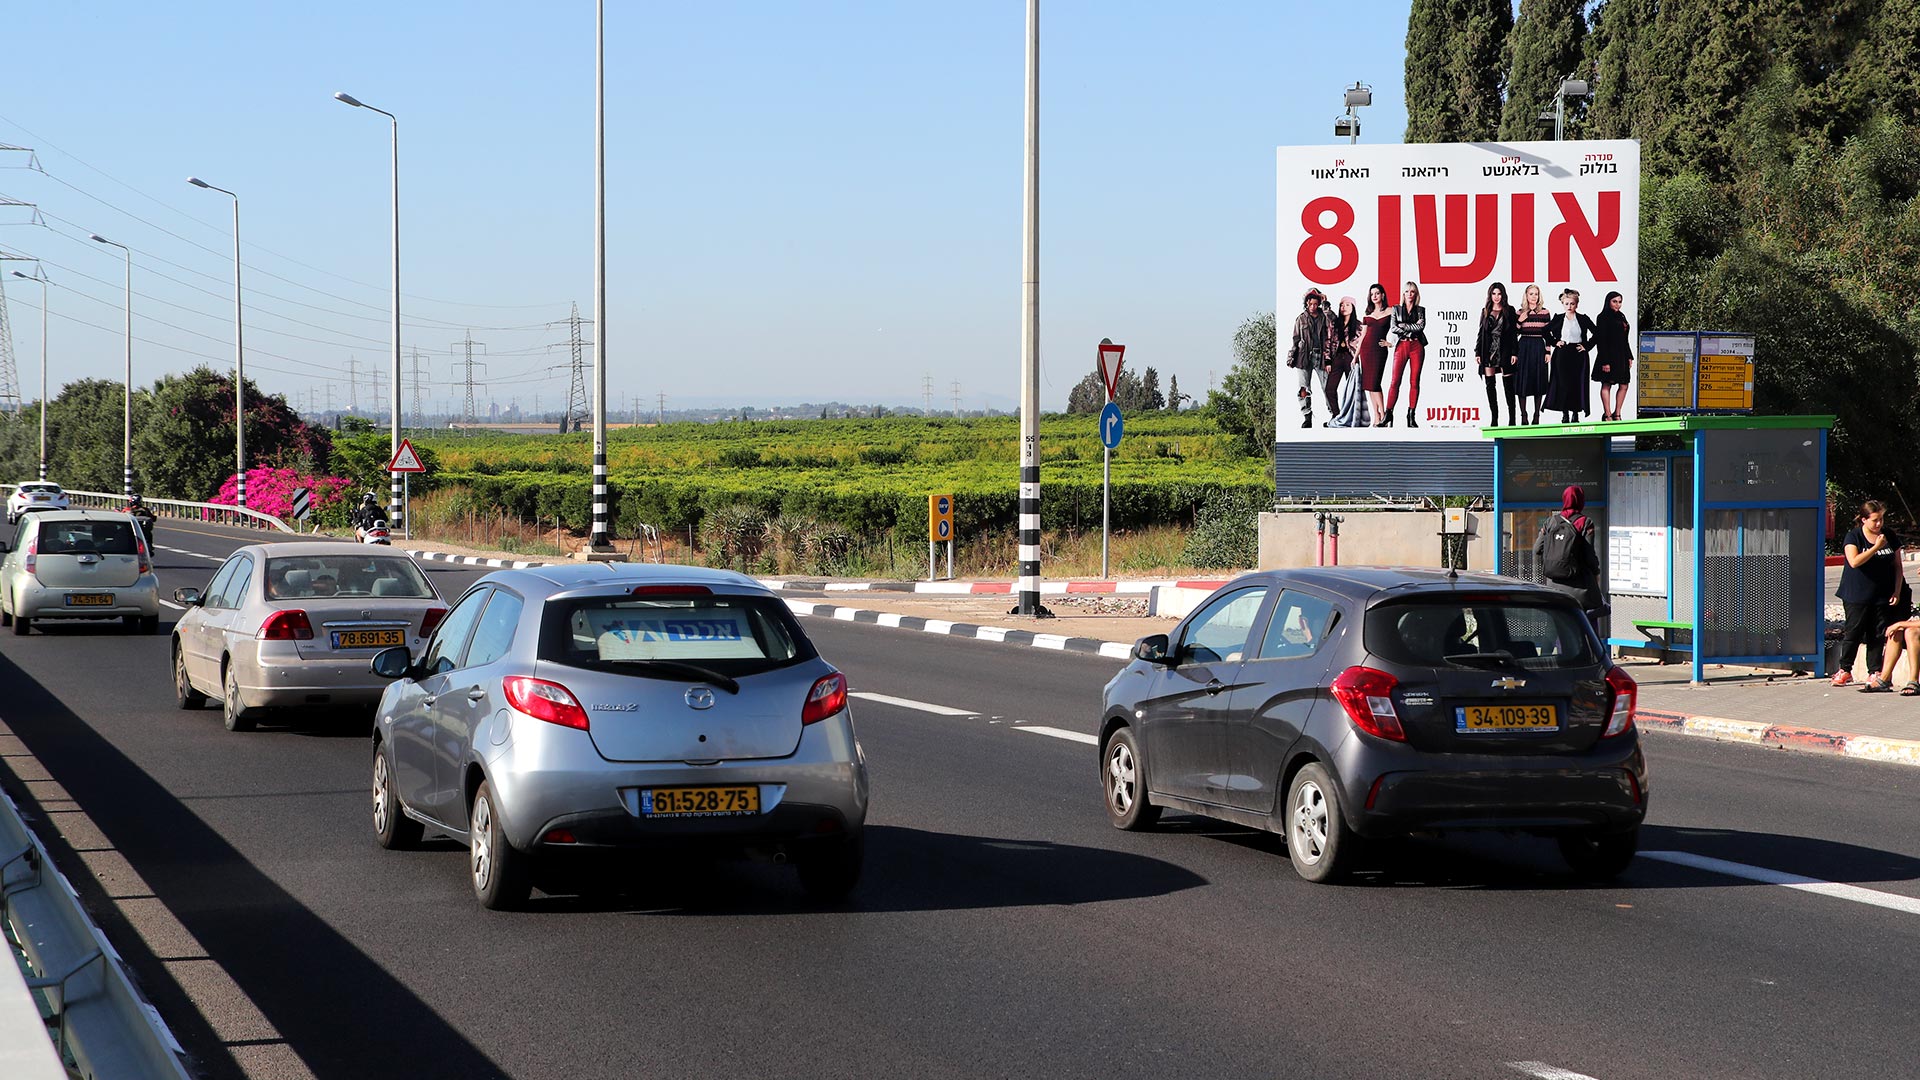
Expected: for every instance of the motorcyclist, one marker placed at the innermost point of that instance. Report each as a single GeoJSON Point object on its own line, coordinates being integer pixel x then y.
{"type": "Point", "coordinates": [366, 513]}
{"type": "Point", "coordinates": [138, 509]}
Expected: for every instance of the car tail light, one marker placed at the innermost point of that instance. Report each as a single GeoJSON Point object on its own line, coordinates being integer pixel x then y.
{"type": "Point", "coordinates": [1364, 693]}
{"type": "Point", "coordinates": [672, 590]}
{"type": "Point", "coordinates": [545, 700]}
{"type": "Point", "coordinates": [1623, 694]}
{"type": "Point", "coordinates": [288, 625]}
{"type": "Point", "coordinates": [140, 549]}
{"type": "Point", "coordinates": [30, 562]}
{"type": "Point", "coordinates": [431, 620]}
{"type": "Point", "coordinates": [828, 696]}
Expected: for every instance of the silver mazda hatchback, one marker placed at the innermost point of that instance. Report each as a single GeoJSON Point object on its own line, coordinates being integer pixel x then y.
{"type": "Point", "coordinates": [611, 706]}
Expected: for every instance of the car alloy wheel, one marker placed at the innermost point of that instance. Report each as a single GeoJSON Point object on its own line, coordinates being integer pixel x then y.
{"type": "Point", "coordinates": [1123, 781]}
{"type": "Point", "coordinates": [392, 828]}
{"type": "Point", "coordinates": [184, 695]}
{"type": "Point", "coordinates": [499, 873]}
{"type": "Point", "coordinates": [233, 712]}
{"type": "Point", "coordinates": [481, 848]}
{"type": "Point", "coordinates": [1319, 843]}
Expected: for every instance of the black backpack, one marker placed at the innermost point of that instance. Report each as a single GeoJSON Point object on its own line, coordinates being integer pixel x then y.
{"type": "Point", "coordinates": [1561, 547]}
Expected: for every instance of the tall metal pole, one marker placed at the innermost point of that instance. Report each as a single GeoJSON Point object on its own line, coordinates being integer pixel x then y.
{"type": "Point", "coordinates": [239, 355]}
{"type": "Point", "coordinates": [1030, 337]}
{"type": "Point", "coordinates": [127, 444]}
{"type": "Point", "coordinates": [394, 494]}
{"type": "Point", "coordinates": [598, 540]}
{"type": "Point", "coordinates": [40, 275]}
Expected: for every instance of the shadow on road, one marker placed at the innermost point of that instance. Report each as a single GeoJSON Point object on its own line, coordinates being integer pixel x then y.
{"type": "Point", "coordinates": [1498, 861]}
{"type": "Point", "coordinates": [906, 870]}
{"type": "Point", "coordinates": [342, 1012]}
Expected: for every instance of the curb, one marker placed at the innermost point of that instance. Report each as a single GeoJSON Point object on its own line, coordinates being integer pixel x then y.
{"type": "Point", "coordinates": [1784, 737]}
{"type": "Point", "coordinates": [945, 588]}
{"type": "Point", "coordinates": [1111, 650]}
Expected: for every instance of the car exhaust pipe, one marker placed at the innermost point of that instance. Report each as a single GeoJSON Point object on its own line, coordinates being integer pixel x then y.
{"type": "Point", "coordinates": [780, 855]}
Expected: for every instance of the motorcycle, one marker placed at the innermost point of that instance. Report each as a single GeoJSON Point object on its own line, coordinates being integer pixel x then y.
{"type": "Point", "coordinates": [374, 532]}
{"type": "Point", "coordinates": [145, 516]}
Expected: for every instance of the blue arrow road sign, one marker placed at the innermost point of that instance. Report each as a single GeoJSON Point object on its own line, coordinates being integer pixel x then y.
{"type": "Point", "coordinates": [944, 506]}
{"type": "Point", "coordinates": [1111, 426]}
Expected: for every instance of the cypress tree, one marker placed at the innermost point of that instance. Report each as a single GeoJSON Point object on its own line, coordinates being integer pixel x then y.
{"type": "Point", "coordinates": [1454, 71]}
{"type": "Point", "coordinates": [1544, 48]}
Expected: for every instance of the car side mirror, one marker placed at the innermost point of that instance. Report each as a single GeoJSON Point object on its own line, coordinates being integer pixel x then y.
{"type": "Point", "coordinates": [394, 663]}
{"type": "Point", "coordinates": [188, 597]}
{"type": "Point", "coordinates": [1153, 649]}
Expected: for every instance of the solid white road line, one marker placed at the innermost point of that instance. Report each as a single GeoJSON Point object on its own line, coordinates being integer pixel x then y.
{"type": "Point", "coordinates": [1544, 1071]}
{"type": "Point", "coordinates": [1891, 901]}
{"type": "Point", "coordinates": [909, 703]}
{"type": "Point", "coordinates": [171, 604]}
{"type": "Point", "coordinates": [195, 554]}
{"type": "Point", "coordinates": [1061, 733]}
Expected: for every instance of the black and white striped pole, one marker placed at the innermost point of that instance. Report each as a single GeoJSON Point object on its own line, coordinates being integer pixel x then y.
{"type": "Point", "coordinates": [1030, 339]}
{"type": "Point", "coordinates": [598, 540]}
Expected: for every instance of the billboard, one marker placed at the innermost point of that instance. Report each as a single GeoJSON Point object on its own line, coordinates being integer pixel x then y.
{"type": "Point", "coordinates": [1449, 221]}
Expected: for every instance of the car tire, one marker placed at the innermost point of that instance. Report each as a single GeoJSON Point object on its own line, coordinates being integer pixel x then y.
{"type": "Point", "coordinates": [831, 870]}
{"type": "Point", "coordinates": [1599, 856]}
{"type": "Point", "coordinates": [130, 622]}
{"type": "Point", "coordinates": [500, 875]}
{"type": "Point", "coordinates": [21, 625]}
{"type": "Point", "coordinates": [184, 695]}
{"type": "Point", "coordinates": [1123, 781]}
{"type": "Point", "coordinates": [392, 828]}
{"type": "Point", "coordinates": [149, 624]}
{"type": "Point", "coordinates": [6, 617]}
{"type": "Point", "coordinates": [236, 715]}
{"type": "Point", "coordinates": [1319, 843]}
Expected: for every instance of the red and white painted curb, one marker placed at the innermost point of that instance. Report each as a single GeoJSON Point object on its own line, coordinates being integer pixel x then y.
{"type": "Point", "coordinates": [1784, 736]}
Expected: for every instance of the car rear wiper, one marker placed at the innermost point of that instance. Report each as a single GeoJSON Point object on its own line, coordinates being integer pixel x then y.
{"type": "Point", "coordinates": [671, 668]}
{"type": "Point", "coordinates": [1496, 659]}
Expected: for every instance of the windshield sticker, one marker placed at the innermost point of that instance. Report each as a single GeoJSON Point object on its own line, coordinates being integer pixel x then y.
{"type": "Point", "coordinates": [703, 635]}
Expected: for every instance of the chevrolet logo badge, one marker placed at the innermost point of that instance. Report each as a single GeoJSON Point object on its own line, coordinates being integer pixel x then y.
{"type": "Point", "coordinates": [1509, 683]}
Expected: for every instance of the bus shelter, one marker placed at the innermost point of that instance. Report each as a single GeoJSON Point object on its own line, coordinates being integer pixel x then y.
{"type": "Point", "coordinates": [1714, 550]}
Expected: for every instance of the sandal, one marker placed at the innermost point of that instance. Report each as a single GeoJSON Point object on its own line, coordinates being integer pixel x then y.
{"type": "Point", "coordinates": [1912, 689]}
{"type": "Point", "coordinates": [1876, 685]}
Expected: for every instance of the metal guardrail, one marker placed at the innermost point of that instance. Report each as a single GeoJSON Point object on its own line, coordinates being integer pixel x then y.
{"type": "Point", "coordinates": [183, 509]}
{"type": "Point", "coordinates": [99, 1018]}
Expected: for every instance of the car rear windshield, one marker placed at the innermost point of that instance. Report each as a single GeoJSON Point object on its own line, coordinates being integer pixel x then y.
{"type": "Point", "coordinates": [87, 538]}
{"type": "Point", "coordinates": [40, 489]}
{"type": "Point", "coordinates": [306, 577]}
{"type": "Point", "coordinates": [733, 635]}
{"type": "Point", "coordinates": [1532, 632]}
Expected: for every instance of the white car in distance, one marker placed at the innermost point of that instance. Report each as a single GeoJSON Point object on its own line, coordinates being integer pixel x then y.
{"type": "Point", "coordinates": [35, 495]}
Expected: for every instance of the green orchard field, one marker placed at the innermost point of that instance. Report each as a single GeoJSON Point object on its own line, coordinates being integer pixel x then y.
{"type": "Point", "coordinates": [867, 476]}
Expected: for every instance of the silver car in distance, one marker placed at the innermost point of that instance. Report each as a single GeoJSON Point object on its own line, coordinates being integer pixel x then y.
{"type": "Point", "coordinates": [294, 624]}
{"type": "Point", "coordinates": [619, 707]}
{"type": "Point", "coordinates": [78, 564]}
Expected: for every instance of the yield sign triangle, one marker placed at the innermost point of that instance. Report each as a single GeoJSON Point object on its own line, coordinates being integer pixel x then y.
{"type": "Point", "coordinates": [406, 459]}
{"type": "Point", "coordinates": [1110, 357]}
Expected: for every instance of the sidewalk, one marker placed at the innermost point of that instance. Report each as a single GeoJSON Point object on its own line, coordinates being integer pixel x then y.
{"type": "Point", "coordinates": [1741, 704]}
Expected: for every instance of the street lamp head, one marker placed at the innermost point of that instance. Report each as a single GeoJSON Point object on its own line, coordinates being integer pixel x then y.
{"type": "Point", "coordinates": [197, 182]}
{"type": "Point", "coordinates": [18, 274]}
{"type": "Point", "coordinates": [1359, 94]}
{"type": "Point", "coordinates": [98, 239]}
{"type": "Point", "coordinates": [1346, 126]}
{"type": "Point", "coordinates": [349, 99]}
{"type": "Point", "coordinates": [1575, 88]}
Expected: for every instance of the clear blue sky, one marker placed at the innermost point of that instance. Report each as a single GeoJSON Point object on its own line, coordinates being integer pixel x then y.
{"type": "Point", "coordinates": [805, 201]}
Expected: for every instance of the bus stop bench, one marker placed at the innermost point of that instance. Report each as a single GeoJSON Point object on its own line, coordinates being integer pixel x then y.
{"type": "Point", "coordinates": [1660, 632]}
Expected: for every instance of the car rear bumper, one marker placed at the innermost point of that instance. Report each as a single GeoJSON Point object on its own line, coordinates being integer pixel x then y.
{"type": "Point", "coordinates": [1603, 789]}
{"type": "Point", "coordinates": [271, 685]}
{"type": "Point", "coordinates": [37, 601]}
{"type": "Point", "coordinates": [543, 781]}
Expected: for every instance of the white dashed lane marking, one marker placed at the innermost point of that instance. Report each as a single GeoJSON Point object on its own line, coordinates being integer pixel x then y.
{"type": "Point", "coordinates": [1544, 1071]}
{"type": "Point", "coordinates": [1061, 733]}
{"type": "Point", "coordinates": [909, 703]}
{"type": "Point", "coordinates": [1891, 901]}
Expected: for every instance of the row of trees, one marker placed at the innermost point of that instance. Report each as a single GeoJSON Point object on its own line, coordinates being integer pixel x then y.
{"type": "Point", "coordinates": [1136, 393]}
{"type": "Point", "coordinates": [1780, 156]}
{"type": "Point", "coordinates": [182, 436]}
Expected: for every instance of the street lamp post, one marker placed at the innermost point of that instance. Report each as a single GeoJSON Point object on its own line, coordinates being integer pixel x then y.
{"type": "Point", "coordinates": [1029, 541]}
{"type": "Point", "coordinates": [40, 275]}
{"type": "Point", "coordinates": [239, 357]}
{"type": "Point", "coordinates": [598, 540]}
{"type": "Point", "coordinates": [393, 496]}
{"type": "Point", "coordinates": [127, 437]}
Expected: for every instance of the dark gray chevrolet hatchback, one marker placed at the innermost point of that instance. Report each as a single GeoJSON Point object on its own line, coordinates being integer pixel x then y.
{"type": "Point", "coordinates": [1340, 702]}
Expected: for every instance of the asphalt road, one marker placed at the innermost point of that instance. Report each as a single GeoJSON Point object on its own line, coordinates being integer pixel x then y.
{"type": "Point", "coordinates": [1003, 928]}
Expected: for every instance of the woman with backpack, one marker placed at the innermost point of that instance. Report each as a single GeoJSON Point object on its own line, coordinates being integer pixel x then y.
{"type": "Point", "coordinates": [1566, 555]}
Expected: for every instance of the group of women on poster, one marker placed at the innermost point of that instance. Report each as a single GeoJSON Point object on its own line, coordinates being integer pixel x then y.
{"type": "Point", "coordinates": [1536, 359]}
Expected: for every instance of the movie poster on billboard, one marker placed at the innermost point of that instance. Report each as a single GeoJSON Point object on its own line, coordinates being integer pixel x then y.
{"type": "Point", "coordinates": [1435, 227]}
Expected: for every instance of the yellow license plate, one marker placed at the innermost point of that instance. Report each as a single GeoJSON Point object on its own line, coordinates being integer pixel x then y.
{"type": "Point", "coordinates": [89, 599]}
{"type": "Point", "coordinates": [368, 639]}
{"type": "Point", "coordinates": [1507, 718]}
{"type": "Point", "coordinates": [699, 801]}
